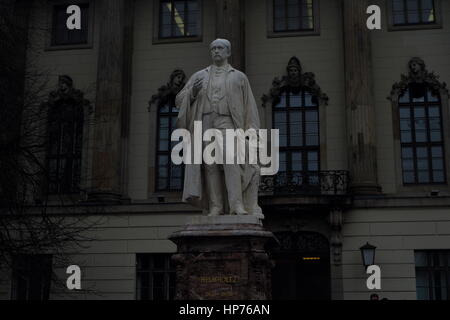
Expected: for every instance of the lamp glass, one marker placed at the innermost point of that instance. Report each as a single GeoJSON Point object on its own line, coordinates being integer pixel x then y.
{"type": "Point", "coordinates": [368, 256]}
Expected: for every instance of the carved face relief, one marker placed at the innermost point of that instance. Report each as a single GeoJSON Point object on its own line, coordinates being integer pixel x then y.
{"type": "Point", "coordinates": [415, 67]}
{"type": "Point", "coordinates": [178, 80]}
{"type": "Point", "coordinates": [293, 73]}
{"type": "Point", "coordinates": [63, 87]}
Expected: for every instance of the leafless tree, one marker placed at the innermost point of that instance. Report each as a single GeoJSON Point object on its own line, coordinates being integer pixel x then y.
{"type": "Point", "coordinates": [29, 223]}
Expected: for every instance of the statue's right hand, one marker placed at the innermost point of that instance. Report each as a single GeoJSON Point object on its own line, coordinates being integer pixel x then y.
{"type": "Point", "coordinates": [198, 84]}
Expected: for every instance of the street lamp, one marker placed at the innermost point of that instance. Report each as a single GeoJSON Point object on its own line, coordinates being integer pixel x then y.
{"type": "Point", "coordinates": [368, 254]}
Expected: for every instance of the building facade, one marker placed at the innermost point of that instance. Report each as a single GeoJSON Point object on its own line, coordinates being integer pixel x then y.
{"type": "Point", "coordinates": [364, 138]}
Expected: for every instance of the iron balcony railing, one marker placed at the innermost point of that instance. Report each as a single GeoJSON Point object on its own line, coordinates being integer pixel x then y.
{"type": "Point", "coordinates": [327, 183]}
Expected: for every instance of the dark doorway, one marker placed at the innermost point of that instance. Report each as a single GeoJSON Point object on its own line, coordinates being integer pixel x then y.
{"type": "Point", "coordinates": [302, 270]}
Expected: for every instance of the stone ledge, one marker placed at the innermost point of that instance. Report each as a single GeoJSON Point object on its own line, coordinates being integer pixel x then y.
{"type": "Point", "coordinates": [225, 220]}
{"type": "Point", "coordinates": [226, 226]}
{"type": "Point", "coordinates": [219, 234]}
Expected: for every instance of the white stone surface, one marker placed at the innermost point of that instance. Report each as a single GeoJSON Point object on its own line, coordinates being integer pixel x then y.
{"type": "Point", "coordinates": [220, 97]}
{"type": "Point", "coordinates": [226, 219]}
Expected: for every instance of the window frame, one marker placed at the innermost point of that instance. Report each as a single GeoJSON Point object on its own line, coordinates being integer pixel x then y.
{"type": "Point", "coordinates": [77, 122]}
{"type": "Point", "coordinates": [414, 145]}
{"type": "Point", "coordinates": [26, 273]}
{"type": "Point", "coordinates": [183, 39]}
{"type": "Point", "coordinates": [86, 152]}
{"type": "Point", "coordinates": [420, 188]}
{"type": "Point", "coordinates": [304, 148]}
{"type": "Point", "coordinates": [158, 152]}
{"type": "Point", "coordinates": [168, 269]}
{"type": "Point", "coordinates": [50, 14]}
{"type": "Point", "coordinates": [418, 26]}
{"type": "Point", "coordinates": [430, 268]}
{"type": "Point", "coordinates": [279, 34]}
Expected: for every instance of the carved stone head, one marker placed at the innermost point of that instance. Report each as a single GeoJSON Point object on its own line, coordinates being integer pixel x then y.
{"type": "Point", "coordinates": [65, 84]}
{"type": "Point", "coordinates": [177, 79]}
{"type": "Point", "coordinates": [416, 67]}
{"type": "Point", "coordinates": [294, 70]}
{"type": "Point", "coordinates": [417, 76]}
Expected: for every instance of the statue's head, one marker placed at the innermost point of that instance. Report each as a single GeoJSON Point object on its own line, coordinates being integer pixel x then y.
{"type": "Point", "coordinates": [220, 50]}
{"type": "Point", "coordinates": [294, 69]}
{"type": "Point", "coordinates": [416, 65]}
{"type": "Point", "coordinates": [177, 78]}
{"type": "Point", "coordinates": [65, 84]}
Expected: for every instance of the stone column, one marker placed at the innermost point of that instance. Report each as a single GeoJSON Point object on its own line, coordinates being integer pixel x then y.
{"type": "Point", "coordinates": [230, 26]}
{"type": "Point", "coordinates": [360, 103]}
{"type": "Point", "coordinates": [112, 100]}
{"type": "Point", "coordinates": [336, 241]}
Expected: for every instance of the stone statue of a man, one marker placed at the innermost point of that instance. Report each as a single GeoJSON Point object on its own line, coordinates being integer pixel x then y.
{"type": "Point", "coordinates": [221, 98]}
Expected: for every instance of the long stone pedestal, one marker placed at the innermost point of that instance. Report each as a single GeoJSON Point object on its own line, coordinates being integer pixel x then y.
{"type": "Point", "coordinates": [223, 258]}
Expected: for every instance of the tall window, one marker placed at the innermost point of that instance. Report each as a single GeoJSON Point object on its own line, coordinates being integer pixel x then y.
{"type": "Point", "coordinates": [433, 275]}
{"type": "Point", "coordinates": [293, 15]}
{"type": "Point", "coordinates": [31, 277]}
{"type": "Point", "coordinates": [297, 118]}
{"type": "Point", "coordinates": [169, 175]}
{"type": "Point", "coordinates": [421, 136]}
{"type": "Point", "coordinates": [61, 35]}
{"type": "Point", "coordinates": [413, 12]}
{"type": "Point", "coordinates": [179, 18]}
{"type": "Point", "coordinates": [155, 277]}
{"type": "Point", "coordinates": [65, 145]}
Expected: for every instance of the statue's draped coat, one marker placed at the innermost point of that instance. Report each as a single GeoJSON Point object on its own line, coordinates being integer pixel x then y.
{"type": "Point", "coordinates": [243, 110]}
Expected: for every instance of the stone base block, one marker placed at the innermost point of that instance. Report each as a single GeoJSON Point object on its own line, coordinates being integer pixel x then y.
{"type": "Point", "coordinates": [223, 258]}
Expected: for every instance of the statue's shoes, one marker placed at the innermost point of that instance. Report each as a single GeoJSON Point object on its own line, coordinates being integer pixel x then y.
{"type": "Point", "coordinates": [241, 212]}
{"type": "Point", "coordinates": [214, 213]}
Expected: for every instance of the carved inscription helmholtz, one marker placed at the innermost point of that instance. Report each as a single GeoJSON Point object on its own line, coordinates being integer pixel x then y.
{"type": "Point", "coordinates": [224, 275]}
{"type": "Point", "coordinates": [220, 279]}
{"type": "Point", "coordinates": [218, 276]}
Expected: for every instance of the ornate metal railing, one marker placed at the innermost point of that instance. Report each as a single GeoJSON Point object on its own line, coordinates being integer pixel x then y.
{"type": "Point", "coordinates": [327, 183]}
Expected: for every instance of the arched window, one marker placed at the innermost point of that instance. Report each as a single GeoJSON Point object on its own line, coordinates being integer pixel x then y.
{"type": "Point", "coordinates": [421, 135]}
{"type": "Point", "coordinates": [296, 100]}
{"type": "Point", "coordinates": [65, 138]}
{"type": "Point", "coordinates": [297, 118]}
{"type": "Point", "coordinates": [419, 114]}
{"type": "Point", "coordinates": [169, 177]}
